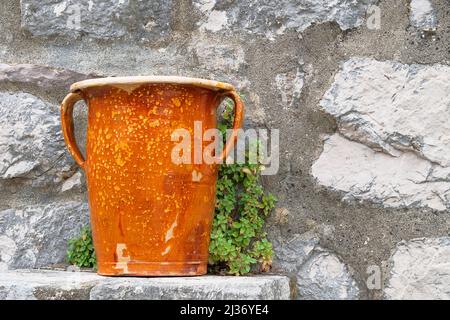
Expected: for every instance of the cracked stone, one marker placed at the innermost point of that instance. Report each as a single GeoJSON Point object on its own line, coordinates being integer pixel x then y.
{"type": "Point", "coordinates": [391, 147]}
{"type": "Point", "coordinates": [393, 107]}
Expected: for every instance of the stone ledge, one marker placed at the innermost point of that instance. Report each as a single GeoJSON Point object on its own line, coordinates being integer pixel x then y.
{"type": "Point", "coordinates": [56, 285]}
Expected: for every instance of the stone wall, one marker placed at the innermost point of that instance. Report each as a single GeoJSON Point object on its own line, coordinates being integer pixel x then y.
{"type": "Point", "coordinates": [359, 91]}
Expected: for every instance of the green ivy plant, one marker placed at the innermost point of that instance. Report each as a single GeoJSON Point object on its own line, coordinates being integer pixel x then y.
{"type": "Point", "coordinates": [238, 241]}
{"type": "Point", "coordinates": [81, 250]}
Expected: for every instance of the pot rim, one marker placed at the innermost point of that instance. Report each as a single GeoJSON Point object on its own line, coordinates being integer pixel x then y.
{"type": "Point", "coordinates": [138, 80]}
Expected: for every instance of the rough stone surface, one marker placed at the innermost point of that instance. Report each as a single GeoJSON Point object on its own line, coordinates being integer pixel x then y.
{"type": "Point", "coordinates": [216, 57]}
{"type": "Point", "coordinates": [393, 107]}
{"type": "Point", "coordinates": [102, 19]}
{"type": "Point", "coordinates": [292, 253]}
{"type": "Point", "coordinates": [361, 173]}
{"type": "Point", "coordinates": [420, 270]}
{"type": "Point", "coordinates": [45, 285]}
{"type": "Point", "coordinates": [423, 15]}
{"type": "Point", "coordinates": [36, 236]}
{"type": "Point", "coordinates": [320, 274]}
{"type": "Point", "coordinates": [323, 277]}
{"type": "Point", "coordinates": [272, 18]}
{"type": "Point", "coordinates": [209, 287]}
{"type": "Point", "coordinates": [44, 77]}
{"type": "Point", "coordinates": [392, 147]}
{"type": "Point", "coordinates": [31, 144]}
{"type": "Point", "coordinates": [73, 183]}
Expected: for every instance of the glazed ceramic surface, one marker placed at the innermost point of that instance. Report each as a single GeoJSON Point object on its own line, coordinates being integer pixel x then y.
{"type": "Point", "coordinates": [149, 215]}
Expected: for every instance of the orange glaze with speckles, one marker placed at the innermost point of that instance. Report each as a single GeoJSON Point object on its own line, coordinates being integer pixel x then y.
{"type": "Point", "coordinates": [149, 216]}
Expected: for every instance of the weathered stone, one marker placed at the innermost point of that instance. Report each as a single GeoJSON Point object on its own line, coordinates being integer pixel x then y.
{"type": "Point", "coordinates": [364, 174]}
{"type": "Point", "coordinates": [31, 143]}
{"type": "Point", "coordinates": [272, 18]}
{"type": "Point", "coordinates": [422, 15]}
{"type": "Point", "coordinates": [44, 77]}
{"type": "Point", "coordinates": [102, 19]}
{"type": "Point", "coordinates": [219, 60]}
{"type": "Point", "coordinates": [319, 273]}
{"type": "Point", "coordinates": [7, 250]}
{"type": "Point", "coordinates": [73, 183]}
{"type": "Point", "coordinates": [290, 254]}
{"type": "Point", "coordinates": [420, 269]}
{"type": "Point", "coordinates": [208, 287]}
{"type": "Point", "coordinates": [216, 56]}
{"type": "Point", "coordinates": [46, 285]}
{"type": "Point", "coordinates": [323, 277]}
{"type": "Point", "coordinates": [52, 285]}
{"type": "Point", "coordinates": [393, 107]}
{"type": "Point", "coordinates": [36, 236]}
{"type": "Point", "coordinates": [402, 111]}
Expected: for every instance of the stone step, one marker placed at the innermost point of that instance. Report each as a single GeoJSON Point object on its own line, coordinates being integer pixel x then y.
{"type": "Point", "coordinates": [61, 285]}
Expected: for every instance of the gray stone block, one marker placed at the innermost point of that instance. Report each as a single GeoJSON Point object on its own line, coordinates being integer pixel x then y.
{"type": "Point", "coordinates": [36, 236]}
{"type": "Point", "coordinates": [39, 284]}
{"type": "Point", "coordinates": [32, 147]}
{"type": "Point", "coordinates": [101, 19]}
{"type": "Point", "coordinates": [272, 18]}
{"type": "Point", "coordinates": [46, 285]}
{"type": "Point", "coordinates": [325, 277]}
{"type": "Point", "coordinates": [320, 274]}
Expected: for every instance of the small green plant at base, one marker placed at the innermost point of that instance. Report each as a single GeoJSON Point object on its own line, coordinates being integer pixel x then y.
{"type": "Point", "coordinates": [238, 241]}
{"type": "Point", "coordinates": [81, 250]}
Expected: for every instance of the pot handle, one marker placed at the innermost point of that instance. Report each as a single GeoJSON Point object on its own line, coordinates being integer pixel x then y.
{"type": "Point", "coordinates": [237, 124]}
{"type": "Point", "coordinates": [67, 127]}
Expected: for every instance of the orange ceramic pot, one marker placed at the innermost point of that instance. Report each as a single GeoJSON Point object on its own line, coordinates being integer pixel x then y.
{"type": "Point", "coordinates": [149, 215]}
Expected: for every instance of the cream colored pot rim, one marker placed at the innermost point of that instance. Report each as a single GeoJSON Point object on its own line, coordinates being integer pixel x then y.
{"type": "Point", "coordinates": [138, 80]}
